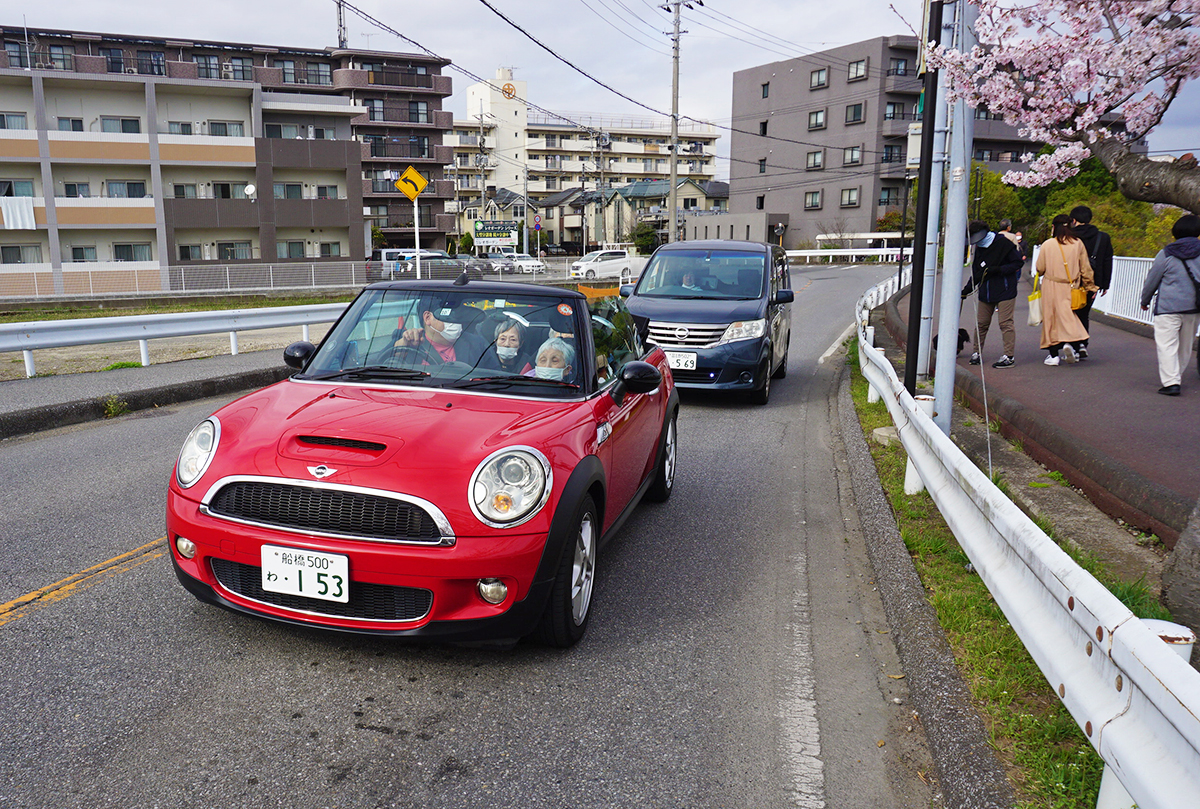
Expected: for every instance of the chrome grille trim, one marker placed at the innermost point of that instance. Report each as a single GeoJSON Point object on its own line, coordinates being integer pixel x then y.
{"type": "Point", "coordinates": [699, 335]}
{"type": "Point", "coordinates": [443, 525]}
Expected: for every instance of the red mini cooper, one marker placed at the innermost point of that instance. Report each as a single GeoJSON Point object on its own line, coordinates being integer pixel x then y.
{"type": "Point", "coordinates": [444, 466]}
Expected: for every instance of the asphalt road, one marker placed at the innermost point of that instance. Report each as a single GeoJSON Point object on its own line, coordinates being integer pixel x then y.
{"type": "Point", "coordinates": [737, 656]}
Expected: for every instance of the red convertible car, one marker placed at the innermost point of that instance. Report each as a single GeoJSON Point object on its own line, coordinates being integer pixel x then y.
{"type": "Point", "coordinates": [445, 465]}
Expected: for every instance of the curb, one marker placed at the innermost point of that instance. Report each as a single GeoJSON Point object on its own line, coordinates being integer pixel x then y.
{"type": "Point", "coordinates": [1114, 487]}
{"type": "Point", "coordinates": [968, 772]}
{"type": "Point", "coordinates": [23, 422]}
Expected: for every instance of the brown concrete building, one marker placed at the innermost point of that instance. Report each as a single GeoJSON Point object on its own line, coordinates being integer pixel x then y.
{"type": "Point", "coordinates": [156, 157]}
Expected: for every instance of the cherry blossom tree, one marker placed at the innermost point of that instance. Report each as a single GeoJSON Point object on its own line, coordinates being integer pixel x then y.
{"type": "Point", "coordinates": [1063, 71]}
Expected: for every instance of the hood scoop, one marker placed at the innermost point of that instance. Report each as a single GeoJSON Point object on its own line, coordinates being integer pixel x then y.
{"type": "Point", "coordinates": [338, 448]}
{"type": "Point", "coordinates": [337, 441]}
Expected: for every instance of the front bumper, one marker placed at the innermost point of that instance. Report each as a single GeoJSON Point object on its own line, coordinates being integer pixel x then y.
{"type": "Point", "coordinates": [452, 609]}
{"type": "Point", "coordinates": [733, 366]}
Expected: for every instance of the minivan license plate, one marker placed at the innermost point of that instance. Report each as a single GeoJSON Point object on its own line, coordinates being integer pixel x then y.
{"type": "Point", "coordinates": [681, 360]}
{"type": "Point", "coordinates": [306, 573]}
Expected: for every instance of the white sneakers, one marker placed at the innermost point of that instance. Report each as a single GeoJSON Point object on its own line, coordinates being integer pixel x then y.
{"type": "Point", "coordinates": [1068, 353]}
{"type": "Point", "coordinates": [1050, 360]}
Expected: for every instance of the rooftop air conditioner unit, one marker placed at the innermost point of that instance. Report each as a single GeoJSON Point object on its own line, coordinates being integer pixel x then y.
{"type": "Point", "coordinates": [131, 70]}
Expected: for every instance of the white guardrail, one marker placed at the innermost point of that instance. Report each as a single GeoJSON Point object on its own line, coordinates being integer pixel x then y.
{"type": "Point", "coordinates": [1136, 700]}
{"type": "Point", "coordinates": [26, 337]}
{"type": "Point", "coordinates": [884, 255]}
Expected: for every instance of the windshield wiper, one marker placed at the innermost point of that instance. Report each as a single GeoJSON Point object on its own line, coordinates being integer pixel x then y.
{"type": "Point", "coordinates": [510, 380]}
{"type": "Point", "coordinates": [375, 370]}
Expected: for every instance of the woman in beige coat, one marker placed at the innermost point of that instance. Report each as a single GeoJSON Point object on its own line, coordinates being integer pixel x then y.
{"type": "Point", "coordinates": [1061, 261]}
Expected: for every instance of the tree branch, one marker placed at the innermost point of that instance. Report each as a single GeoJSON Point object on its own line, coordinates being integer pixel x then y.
{"type": "Point", "coordinates": [1140, 178]}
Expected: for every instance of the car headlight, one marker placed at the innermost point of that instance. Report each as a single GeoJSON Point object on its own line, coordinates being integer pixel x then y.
{"type": "Point", "coordinates": [510, 486]}
{"type": "Point", "coordinates": [744, 330]}
{"type": "Point", "coordinates": [198, 451]}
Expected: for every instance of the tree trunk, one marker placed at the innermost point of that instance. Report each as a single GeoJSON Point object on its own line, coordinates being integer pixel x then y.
{"type": "Point", "coordinates": [1147, 180]}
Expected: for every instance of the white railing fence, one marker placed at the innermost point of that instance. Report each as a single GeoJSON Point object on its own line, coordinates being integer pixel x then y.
{"type": "Point", "coordinates": [883, 255]}
{"type": "Point", "coordinates": [1136, 701]}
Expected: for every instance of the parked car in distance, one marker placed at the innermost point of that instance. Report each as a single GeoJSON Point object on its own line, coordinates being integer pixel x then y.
{"type": "Point", "coordinates": [721, 310]}
{"type": "Point", "coordinates": [523, 262]}
{"type": "Point", "coordinates": [618, 264]}
{"type": "Point", "coordinates": [403, 484]}
{"type": "Point", "coordinates": [553, 250]}
{"type": "Point", "coordinates": [393, 263]}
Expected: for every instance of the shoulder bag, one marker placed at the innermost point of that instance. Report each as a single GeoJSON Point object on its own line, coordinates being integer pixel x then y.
{"type": "Point", "coordinates": [1078, 293]}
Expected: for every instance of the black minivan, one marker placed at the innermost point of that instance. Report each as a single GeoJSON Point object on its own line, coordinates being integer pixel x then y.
{"type": "Point", "coordinates": [721, 310]}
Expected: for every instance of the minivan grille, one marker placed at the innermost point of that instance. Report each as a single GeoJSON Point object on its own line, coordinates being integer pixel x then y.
{"type": "Point", "coordinates": [685, 336]}
{"type": "Point", "coordinates": [331, 511]}
{"type": "Point", "coordinates": [368, 602]}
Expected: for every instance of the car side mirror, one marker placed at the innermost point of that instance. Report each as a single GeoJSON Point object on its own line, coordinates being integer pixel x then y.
{"type": "Point", "coordinates": [297, 354]}
{"type": "Point", "coordinates": [784, 296]}
{"type": "Point", "coordinates": [626, 290]}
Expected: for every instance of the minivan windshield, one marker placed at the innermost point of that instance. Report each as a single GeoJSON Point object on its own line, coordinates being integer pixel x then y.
{"type": "Point", "coordinates": [716, 274]}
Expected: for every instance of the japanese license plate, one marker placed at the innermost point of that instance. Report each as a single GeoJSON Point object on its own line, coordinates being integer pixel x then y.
{"type": "Point", "coordinates": [681, 360]}
{"type": "Point", "coordinates": [306, 573]}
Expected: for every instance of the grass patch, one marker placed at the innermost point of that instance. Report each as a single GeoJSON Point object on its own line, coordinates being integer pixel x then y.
{"type": "Point", "coordinates": [115, 406]}
{"type": "Point", "coordinates": [123, 364]}
{"type": "Point", "coordinates": [1056, 476]}
{"type": "Point", "coordinates": [1037, 484]}
{"type": "Point", "coordinates": [1049, 760]}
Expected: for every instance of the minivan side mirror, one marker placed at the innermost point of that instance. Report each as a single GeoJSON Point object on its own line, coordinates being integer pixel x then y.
{"type": "Point", "coordinates": [299, 353]}
{"type": "Point", "coordinates": [626, 290]}
{"type": "Point", "coordinates": [784, 296]}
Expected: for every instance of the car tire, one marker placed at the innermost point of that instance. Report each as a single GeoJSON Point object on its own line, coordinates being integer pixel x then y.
{"type": "Point", "coordinates": [781, 371]}
{"type": "Point", "coordinates": [762, 395]}
{"type": "Point", "coordinates": [664, 476]}
{"type": "Point", "coordinates": [590, 274]}
{"type": "Point", "coordinates": [569, 606]}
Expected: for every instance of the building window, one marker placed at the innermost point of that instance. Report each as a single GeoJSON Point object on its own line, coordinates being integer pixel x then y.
{"type": "Point", "coordinates": [815, 160]}
{"type": "Point", "coordinates": [288, 191]}
{"type": "Point", "coordinates": [127, 126]}
{"type": "Point", "coordinates": [331, 249]}
{"type": "Point", "coordinates": [289, 249]}
{"type": "Point", "coordinates": [760, 202]}
{"type": "Point", "coordinates": [151, 63]}
{"type": "Point", "coordinates": [691, 204]}
{"type": "Point", "coordinates": [131, 252]}
{"type": "Point", "coordinates": [76, 190]}
{"type": "Point", "coordinates": [21, 254]}
{"type": "Point", "coordinates": [179, 127]}
{"type": "Point", "coordinates": [892, 153]}
{"type": "Point", "coordinates": [762, 128]}
{"type": "Point", "coordinates": [812, 200]}
{"type": "Point", "coordinates": [184, 190]}
{"type": "Point", "coordinates": [16, 188]}
{"type": "Point", "coordinates": [818, 78]}
{"type": "Point", "coordinates": [816, 119]}
{"type": "Point", "coordinates": [18, 55]}
{"type": "Point", "coordinates": [190, 252]}
{"type": "Point", "coordinates": [114, 59]}
{"type": "Point", "coordinates": [418, 112]}
{"type": "Point", "coordinates": [222, 190]}
{"type": "Point", "coordinates": [241, 68]}
{"type": "Point", "coordinates": [80, 255]}
{"type": "Point", "coordinates": [893, 111]}
{"type": "Point", "coordinates": [849, 197]}
{"type": "Point", "coordinates": [852, 156]}
{"type": "Point", "coordinates": [207, 67]}
{"type": "Point", "coordinates": [984, 155]}
{"type": "Point", "coordinates": [126, 189]}
{"type": "Point", "coordinates": [12, 120]}
{"type": "Point", "coordinates": [226, 129]}
{"type": "Point", "coordinates": [233, 251]}
{"type": "Point", "coordinates": [327, 192]}
{"type": "Point", "coordinates": [324, 133]}
{"type": "Point", "coordinates": [854, 113]}
{"type": "Point", "coordinates": [319, 73]}
{"type": "Point", "coordinates": [857, 70]}
{"type": "Point", "coordinates": [766, 90]}
{"type": "Point", "coordinates": [889, 196]}
{"type": "Point", "coordinates": [70, 124]}
{"type": "Point", "coordinates": [762, 166]}
{"type": "Point", "coordinates": [289, 131]}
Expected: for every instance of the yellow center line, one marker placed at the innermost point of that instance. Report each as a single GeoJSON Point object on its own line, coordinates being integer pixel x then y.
{"type": "Point", "coordinates": [31, 602]}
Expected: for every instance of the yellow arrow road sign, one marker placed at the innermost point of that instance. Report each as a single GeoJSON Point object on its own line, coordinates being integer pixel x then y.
{"type": "Point", "coordinates": [411, 183]}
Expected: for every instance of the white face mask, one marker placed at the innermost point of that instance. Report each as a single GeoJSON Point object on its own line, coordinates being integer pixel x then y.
{"type": "Point", "coordinates": [451, 332]}
{"type": "Point", "coordinates": [549, 373]}
{"type": "Point", "coordinates": [506, 352]}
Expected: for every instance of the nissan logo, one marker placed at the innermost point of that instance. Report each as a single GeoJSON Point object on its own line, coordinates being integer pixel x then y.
{"type": "Point", "coordinates": [681, 333]}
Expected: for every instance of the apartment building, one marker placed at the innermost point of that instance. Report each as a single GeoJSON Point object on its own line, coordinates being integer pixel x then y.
{"type": "Point", "coordinates": [504, 144]}
{"type": "Point", "coordinates": [821, 142]}
{"type": "Point", "coordinates": [150, 157]}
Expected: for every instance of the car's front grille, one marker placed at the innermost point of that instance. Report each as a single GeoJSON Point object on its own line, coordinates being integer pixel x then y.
{"type": "Point", "coordinates": [685, 336]}
{"type": "Point", "coordinates": [368, 602]}
{"type": "Point", "coordinates": [694, 377]}
{"type": "Point", "coordinates": [328, 511]}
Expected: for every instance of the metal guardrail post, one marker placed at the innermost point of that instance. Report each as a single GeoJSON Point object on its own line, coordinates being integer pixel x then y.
{"type": "Point", "coordinates": [144, 352]}
{"type": "Point", "coordinates": [30, 371]}
{"type": "Point", "coordinates": [233, 343]}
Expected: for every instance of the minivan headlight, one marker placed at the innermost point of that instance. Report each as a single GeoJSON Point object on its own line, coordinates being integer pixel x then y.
{"type": "Point", "coordinates": [510, 486]}
{"type": "Point", "coordinates": [744, 330]}
{"type": "Point", "coordinates": [198, 451]}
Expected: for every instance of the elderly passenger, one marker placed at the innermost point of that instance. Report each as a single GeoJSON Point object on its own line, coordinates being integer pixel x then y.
{"type": "Point", "coordinates": [555, 360]}
{"type": "Point", "coordinates": [506, 354]}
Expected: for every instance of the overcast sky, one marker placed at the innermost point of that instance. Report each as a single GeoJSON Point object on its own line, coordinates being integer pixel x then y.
{"type": "Point", "coordinates": [623, 43]}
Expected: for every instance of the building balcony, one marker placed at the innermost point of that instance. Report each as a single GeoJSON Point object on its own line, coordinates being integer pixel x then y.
{"type": "Point", "coordinates": [440, 85]}
{"type": "Point", "coordinates": [383, 150]}
{"type": "Point", "coordinates": [115, 212]}
{"type": "Point", "coordinates": [211, 213]}
{"type": "Point", "coordinates": [393, 114]}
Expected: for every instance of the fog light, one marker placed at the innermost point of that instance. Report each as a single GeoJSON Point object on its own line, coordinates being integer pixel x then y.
{"type": "Point", "coordinates": [186, 548]}
{"type": "Point", "coordinates": [746, 376]}
{"type": "Point", "coordinates": [493, 591]}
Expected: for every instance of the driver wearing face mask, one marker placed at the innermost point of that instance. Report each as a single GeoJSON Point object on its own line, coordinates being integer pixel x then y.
{"type": "Point", "coordinates": [443, 332]}
{"type": "Point", "coordinates": [555, 360]}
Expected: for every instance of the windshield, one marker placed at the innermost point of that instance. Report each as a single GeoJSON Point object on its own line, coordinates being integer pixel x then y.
{"type": "Point", "coordinates": [592, 256]}
{"type": "Point", "coordinates": [456, 339]}
{"type": "Point", "coordinates": [717, 274]}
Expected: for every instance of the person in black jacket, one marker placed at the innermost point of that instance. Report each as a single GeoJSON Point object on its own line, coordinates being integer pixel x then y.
{"type": "Point", "coordinates": [995, 270]}
{"type": "Point", "coordinates": [1100, 256]}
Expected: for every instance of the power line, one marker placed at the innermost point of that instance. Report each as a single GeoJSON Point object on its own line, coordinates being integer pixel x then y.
{"type": "Point", "coordinates": [621, 31]}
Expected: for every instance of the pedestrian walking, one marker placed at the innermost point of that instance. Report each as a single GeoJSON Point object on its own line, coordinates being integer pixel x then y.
{"type": "Point", "coordinates": [1174, 277]}
{"type": "Point", "coordinates": [1063, 263]}
{"type": "Point", "coordinates": [1100, 255]}
{"type": "Point", "coordinates": [995, 271]}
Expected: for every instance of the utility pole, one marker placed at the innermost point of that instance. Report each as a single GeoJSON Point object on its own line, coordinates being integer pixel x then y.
{"type": "Point", "coordinates": [342, 26]}
{"type": "Point", "coordinates": [673, 146]}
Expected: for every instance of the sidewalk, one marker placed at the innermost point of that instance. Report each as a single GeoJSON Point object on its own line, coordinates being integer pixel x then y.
{"type": "Point", "coordinates": [1100, 422]}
